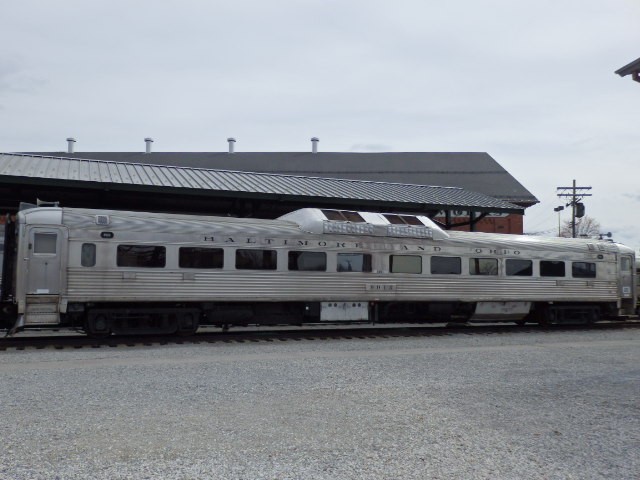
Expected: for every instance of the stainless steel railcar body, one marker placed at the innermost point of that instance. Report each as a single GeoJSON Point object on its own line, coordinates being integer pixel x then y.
{"type": "Point", "coordinates": [112, 271]}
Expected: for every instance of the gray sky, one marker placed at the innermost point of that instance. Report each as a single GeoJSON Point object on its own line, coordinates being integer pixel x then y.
{"type": "Point", "coordinates": [530, 82]}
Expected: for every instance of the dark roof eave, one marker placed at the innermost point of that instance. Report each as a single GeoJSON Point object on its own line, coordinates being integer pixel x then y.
{"type": "Point", "coordinates": [629, 69]}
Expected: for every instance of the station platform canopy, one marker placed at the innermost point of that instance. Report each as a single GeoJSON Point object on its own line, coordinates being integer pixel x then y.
{"type": "Point", "coordinates": [93, 183]}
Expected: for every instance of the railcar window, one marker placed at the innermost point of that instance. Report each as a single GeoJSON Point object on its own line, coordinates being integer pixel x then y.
{"type": "Point", "coordinates": [394, 219]}
{"type": "Point", "coordinates": [483, 266]}
{"type": "Point", "coordinates": [308, 261]}
{"type": "Point", "coordinates": [354, 262]}
{"type": "Point", "coordinates": [411, 220]}
{"type": "Point", "coordinates": [256, 259]}
{"type": "Point", "coordinates": [519, 268]}
{"type": "Point", "coordinates": [333, 215]}
{"type": "Point", "coordinates": [88, 255]}
{"type": "Point", "coordinates": [403, 219]}
{"type": "Point", "coordinates": [200, 257]}
{"type": "Point", "coordinates": [405, 264]}
{"type": "Point", "coordinates": [583, 270]}
{"type": "Point", "coordinates": [352, 216]}
{"type": "Point", "coordinates": [146, 256]}
{"type": "Point", "coordinates": [625, 264]}
{"type": "Point", "coordinates": [343, 216]}
{"type": "Point", "coordinates": [446, 265]}
{"type": "Point", "coordinates": [551, 269]}
{"type": "Point", "coordinates": [45, 243]}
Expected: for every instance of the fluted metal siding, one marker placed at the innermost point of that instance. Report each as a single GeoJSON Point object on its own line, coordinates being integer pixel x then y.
{"type": "Point", "coordinates": [96, 285]}
{"type": "Point", "coordinates": [168, 284]}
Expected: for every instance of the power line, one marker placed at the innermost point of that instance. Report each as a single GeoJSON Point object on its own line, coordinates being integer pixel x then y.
{"type": "Point", "coordinates": [541, 215]}
{"type": "Point", "coordinates": [541, 233]}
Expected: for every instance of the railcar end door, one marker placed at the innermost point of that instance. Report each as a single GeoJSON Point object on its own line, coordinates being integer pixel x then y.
{"type": "Point", "coordinates": [627, 283]}
{"type": "Point", "coordinates": [44, 261]}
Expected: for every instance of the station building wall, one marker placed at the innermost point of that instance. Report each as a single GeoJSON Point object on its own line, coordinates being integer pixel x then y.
{"type": "Point", "coordinates": [492, 223]}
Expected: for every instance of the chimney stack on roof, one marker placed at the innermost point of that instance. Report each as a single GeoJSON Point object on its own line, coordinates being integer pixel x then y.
{"type": "Point", "coordinates": [232, 143]}
{"type": "Point", "coordinates": [70, 144]}
{"type": "Point", "coordinates": [314, 144]}
{"type": "Point", "coordinates": [148, 141]}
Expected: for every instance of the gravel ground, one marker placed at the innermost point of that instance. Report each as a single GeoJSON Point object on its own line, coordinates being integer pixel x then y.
{"type": "Point", "coordinates": [508, 406]}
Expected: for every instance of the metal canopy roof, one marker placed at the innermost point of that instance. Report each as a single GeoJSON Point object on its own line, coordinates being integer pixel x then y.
{"type": "Point", "coordinates": [178, 181]}
{"type": "Point", "coordinates": [473, 171]}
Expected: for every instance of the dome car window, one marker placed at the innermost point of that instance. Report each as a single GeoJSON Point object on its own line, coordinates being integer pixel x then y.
{"type": "Point", "coordinates": [519, 268]}
{"type": "Point", "coordinates": [145, 256]}
{"type": "Point", "coordinates": [247, 259]}
{"type": "Point", "coordinates": [446, 265]}
{"type": "Point", "coordinates": [354, 262]}
{"type": "Point", "coordinates": [200, 257]}
{"type": "Point", "coordinates": [551, 269]}
{"type": "Point", "coordinates": [308, 261]}
{"type": "Point", "coordinates": [405, 264]}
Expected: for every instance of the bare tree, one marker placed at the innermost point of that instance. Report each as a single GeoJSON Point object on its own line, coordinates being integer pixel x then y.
{"type": "Point", "coordinates": [586, 227]}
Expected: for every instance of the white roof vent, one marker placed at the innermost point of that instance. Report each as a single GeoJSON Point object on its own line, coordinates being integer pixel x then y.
{"type": "Point", "coordinates": [70, 144]}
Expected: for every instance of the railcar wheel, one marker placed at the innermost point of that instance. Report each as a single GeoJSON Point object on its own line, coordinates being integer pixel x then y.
{"type": "Point", "coordinates": [542, 315]}
{"type": "Point", "coordinates": [188, 324]}
{"type": "Point", "coordinates": [593, 316]}
{"type": "Point", "coordinates": [98, 326]}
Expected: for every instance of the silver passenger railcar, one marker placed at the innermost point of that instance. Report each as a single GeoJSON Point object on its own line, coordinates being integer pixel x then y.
{"type": "Point", "coordinates": [122, 272]}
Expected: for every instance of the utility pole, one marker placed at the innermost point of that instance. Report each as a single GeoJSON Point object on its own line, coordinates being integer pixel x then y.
{"type": "Point", "coordinates": [576, 194]}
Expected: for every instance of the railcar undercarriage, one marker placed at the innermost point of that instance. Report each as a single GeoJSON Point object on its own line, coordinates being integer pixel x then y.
{"type": "Point", "coordinates": [104, 319]}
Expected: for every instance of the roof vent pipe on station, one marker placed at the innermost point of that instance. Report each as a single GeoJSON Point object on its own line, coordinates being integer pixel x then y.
{"type": "Point", "coordinates": [70, 144]}
{"type": "Point", "coordinates": [314, 144]}
{"type": "Point", "coordinates": [232, 143]}
{"type": "Point", "coordinates": [148, 141]}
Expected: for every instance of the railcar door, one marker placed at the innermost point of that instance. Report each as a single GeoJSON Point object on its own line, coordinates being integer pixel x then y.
{"type": "Point", "coordinates": [44, 261]}
{"type": "Point", "coordinates": [627, 283]}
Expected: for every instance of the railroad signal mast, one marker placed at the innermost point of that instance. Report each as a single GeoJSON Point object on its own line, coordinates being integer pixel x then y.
{"type": "Point", "coordinates": [577, 207]}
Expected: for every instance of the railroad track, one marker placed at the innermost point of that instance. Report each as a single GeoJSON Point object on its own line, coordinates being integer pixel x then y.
{"type": "Point", "coordinates": [77, 341]}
